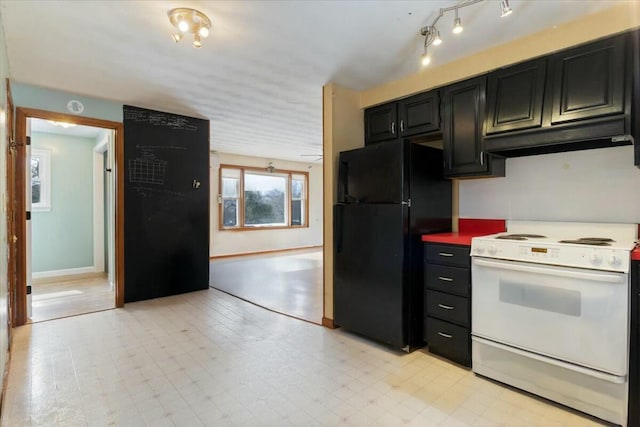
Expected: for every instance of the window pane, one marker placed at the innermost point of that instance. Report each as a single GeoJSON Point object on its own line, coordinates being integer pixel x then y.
{"type": "Point", "coordinates": [296, 212]}
{"type": "Point", "coordinates": [35, 192]}
{"type": "Point", "coordinates": [35, 168]}
{"type": "Point", "coordinates": [230, 213]}
{"type": "Point", "coordinates": [264, 199]}
{"type": "Point", "coordinates": [230, 187]}
{"type": "Point", "coordinates": [296, 189]}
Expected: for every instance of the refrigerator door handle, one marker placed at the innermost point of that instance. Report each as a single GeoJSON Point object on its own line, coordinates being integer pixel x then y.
{"type": "Point", "coordinates": [407, 202]}
{"type": "Point", "coordinates": [337, 228]}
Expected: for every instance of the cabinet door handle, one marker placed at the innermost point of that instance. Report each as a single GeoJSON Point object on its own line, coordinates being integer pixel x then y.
{"type": "Point", "coordinates": [444, 254]}
{"type": "Point", "coordinates": [393, 128]}
{"type": "Point", "coordinates": [482, 158]}
{"type": "Point", "coordinates": [401, 125]}
{"type": "Point", "coordinates": [442, 334]}
{"type": "Point", "coordinates": [445, 279]}
{"type": "Point", "coordinates": [446, 307]}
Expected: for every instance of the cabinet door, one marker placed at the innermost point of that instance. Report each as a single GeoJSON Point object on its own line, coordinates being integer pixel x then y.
{"type": "Point", "coordinates": [419, 114]}
{"type": "Point", "coordinates": [380, 123]}
{"type": "Point", "coordinates": [514, 97]}
{"type": "Point", "coordinates": [588, 81]}
{"type": "Point", "coordinates": [463, 120]}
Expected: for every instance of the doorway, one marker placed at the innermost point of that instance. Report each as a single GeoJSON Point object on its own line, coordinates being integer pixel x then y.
{"type": "Point", "coordinates": [108, 268]}
{"type": "Point", "coordinates": [71, 248]}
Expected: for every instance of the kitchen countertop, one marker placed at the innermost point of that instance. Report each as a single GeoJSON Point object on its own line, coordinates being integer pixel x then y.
{"type": "Point", "coordinates": [468, 228]}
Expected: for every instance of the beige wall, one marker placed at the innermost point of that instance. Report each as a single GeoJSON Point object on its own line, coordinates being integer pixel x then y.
{"type": "Point", "coordinates": [343, 129]}
{"type": "Point", "coordinates": [340, 103]}
{"type": "Point", "coordinates": [240, 242]}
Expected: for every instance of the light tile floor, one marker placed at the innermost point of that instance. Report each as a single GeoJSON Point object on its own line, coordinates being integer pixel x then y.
{"type": "Point", "coordinates": [206, 358]}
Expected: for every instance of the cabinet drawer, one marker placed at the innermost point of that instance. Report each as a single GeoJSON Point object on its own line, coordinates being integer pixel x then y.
{"type": "Point", "coordinates": [447, 307]}
{"type": "Point", "coordinates": [448, 254]}
{"type": "Point", "coordinates": [444, 278]}
{"type": "Point", "coordinates": [448, 340]}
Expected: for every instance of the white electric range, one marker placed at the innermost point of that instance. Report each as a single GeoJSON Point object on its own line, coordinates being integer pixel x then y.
{"type": "Point", "coordinates": [550, 312]}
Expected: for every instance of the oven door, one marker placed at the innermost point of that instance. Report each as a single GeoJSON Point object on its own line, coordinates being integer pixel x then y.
{"type": "Point", "coordinates": [576, 315]}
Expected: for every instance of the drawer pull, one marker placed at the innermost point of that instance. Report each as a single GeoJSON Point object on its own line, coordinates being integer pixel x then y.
{"type": "Point", "coordinates": [444, 254]}
{"type": "Point", "coordinates": [446, 279]}
{"type": "Point", "coordinates": [443, 335]}
{"type": "Point", "coordinates": [446, 307]}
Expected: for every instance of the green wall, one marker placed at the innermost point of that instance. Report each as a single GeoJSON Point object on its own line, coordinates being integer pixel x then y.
{"type": "Point", "coordinates": [62, 238]}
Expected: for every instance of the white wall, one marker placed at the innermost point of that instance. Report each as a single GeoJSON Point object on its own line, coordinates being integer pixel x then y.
{"type": "Point", "coordinates": [239, 242]}
{"type": "Point", "coordinates": [589, 186]}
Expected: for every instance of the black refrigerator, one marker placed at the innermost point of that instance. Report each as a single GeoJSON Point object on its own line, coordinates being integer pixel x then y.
{"type": "Point", "coordinates": [389, 194]}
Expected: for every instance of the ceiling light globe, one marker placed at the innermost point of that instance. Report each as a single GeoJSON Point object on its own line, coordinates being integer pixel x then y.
{"type": "Point", "coordinates": [437, 41]}
{"type": "Point", "coordinates": [457, 26]}
{"type": "Point", "coordinates": [426, 60]}
{"type": "Point", "coordinates": [183, 26]}
{"type": "Point", "coordinates": [203, 31]}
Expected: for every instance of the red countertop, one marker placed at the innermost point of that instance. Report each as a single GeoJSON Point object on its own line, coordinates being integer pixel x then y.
{"type": "Point", "coordinates": [468, 228]}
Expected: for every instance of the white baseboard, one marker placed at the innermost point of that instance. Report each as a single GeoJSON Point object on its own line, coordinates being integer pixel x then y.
{"type": "Point", "coordinates": [65, 272]}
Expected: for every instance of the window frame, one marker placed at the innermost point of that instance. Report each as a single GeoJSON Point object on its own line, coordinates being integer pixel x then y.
{"type": "Point", "coordinates": [241, 202]}
{"type": "Point", "coordinates": [44, 178]}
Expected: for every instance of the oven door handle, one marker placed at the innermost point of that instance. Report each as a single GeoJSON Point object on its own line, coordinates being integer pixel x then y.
{"type": "Point", "coordinates": [566, 365]}
{"type": "Point", "coordinates": [595, 277]}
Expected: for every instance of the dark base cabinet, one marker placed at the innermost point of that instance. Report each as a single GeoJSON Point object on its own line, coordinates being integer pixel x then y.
{"type": "Point", "coordinates": [634, 357]}
{"type": "Point", "coordinates": [447, 301]}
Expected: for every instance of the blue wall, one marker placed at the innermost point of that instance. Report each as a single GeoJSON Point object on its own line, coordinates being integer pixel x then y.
{"type": "Point", "coordinates": [53, 100]}
{"type": "Point", "coordinates": [62, 238]}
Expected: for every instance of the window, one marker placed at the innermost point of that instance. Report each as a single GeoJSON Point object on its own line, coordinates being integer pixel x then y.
{"type": "Point", "coordinates": [40, 180]}
{"type": "Point", "coordinates": [253, 198]}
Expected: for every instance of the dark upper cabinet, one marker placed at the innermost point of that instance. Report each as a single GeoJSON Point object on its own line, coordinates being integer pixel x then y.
{"type": "Point", "coordinates": [514, 97]}
{"type": "Point", "coordinates": [463, 108]}
{"type": "Point", "coordinates": [414, 116]}
{"type": "Point", "coordinates": [588, 81]}
{"type": "Point", "coordinates": [419, 114]}
{"type": "Point", "coordinates": [380, 123]}
{"type": "Point", "coordinates": [587, 100]}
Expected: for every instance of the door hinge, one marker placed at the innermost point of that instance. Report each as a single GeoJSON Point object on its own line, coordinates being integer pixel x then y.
{"type": "Point", "coordinates": [28, 215]}
{"type": "Point", "coordinates": [28, 140]}
{"type": "Point", "coordinates": [28, 289]}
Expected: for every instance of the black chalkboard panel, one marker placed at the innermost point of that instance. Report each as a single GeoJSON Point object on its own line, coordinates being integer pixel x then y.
{"type": "Point", "coordinates": [166, 204]}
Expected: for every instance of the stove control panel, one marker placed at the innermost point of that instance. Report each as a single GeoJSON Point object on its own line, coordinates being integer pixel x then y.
{"type": "Point", "coordinates": [579, 256]}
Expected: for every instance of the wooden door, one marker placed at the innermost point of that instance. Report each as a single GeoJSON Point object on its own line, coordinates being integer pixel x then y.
{"type": "Point", "coordinates": [380, 123]}
{"type": "Point", "coordinates": [589, 81]}
{"type": "Point", "coordinates": [463, 121]}
{"type": "Point", "coordinates": [514, 97]}
{"type": "Point", "coordinates": [419, 114]}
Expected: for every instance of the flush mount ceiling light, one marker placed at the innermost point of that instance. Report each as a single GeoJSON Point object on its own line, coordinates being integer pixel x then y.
{"type": "Point", "coordinates": [189, 21]}
{"type": "Point", "coordinates": [62, 124]}
{"type": "Point", "coordinates": [432, 34]}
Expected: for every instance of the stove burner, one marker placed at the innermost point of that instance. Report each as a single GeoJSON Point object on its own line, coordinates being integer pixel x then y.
{"type": "Point", "coordinates": [520, 236]}
{"type": "Point", "coordinates": [597, 239]}
{"type": "Point", "coordinates": [584, 241]}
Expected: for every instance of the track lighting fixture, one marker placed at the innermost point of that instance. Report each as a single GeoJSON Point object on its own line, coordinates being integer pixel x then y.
{"type": "Point", "coordinates": [189, 21]}
{"type": "Point", "coordinates": [432, 35]}
{"type": "Point", "coordinates": [504, 8]}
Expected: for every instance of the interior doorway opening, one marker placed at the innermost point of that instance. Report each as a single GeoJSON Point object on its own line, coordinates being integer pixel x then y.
{"type": "Point", "coordinates": [70, 247]}
{"type": "Point", "coordinates": [111, 266]}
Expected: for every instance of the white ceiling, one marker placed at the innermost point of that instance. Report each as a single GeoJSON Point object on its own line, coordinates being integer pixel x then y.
{"type": "Point", "coordinates": [259, 75]}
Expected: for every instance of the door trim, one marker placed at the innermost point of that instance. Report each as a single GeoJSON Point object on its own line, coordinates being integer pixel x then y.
{"type": "Point", "coordinates": [22, 114]}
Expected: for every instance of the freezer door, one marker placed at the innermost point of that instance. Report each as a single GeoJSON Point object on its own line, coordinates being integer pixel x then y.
{"type": "Point", "coordinates": [370, 271]}
{"type": "Point", "coordinates": [374, 174]}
